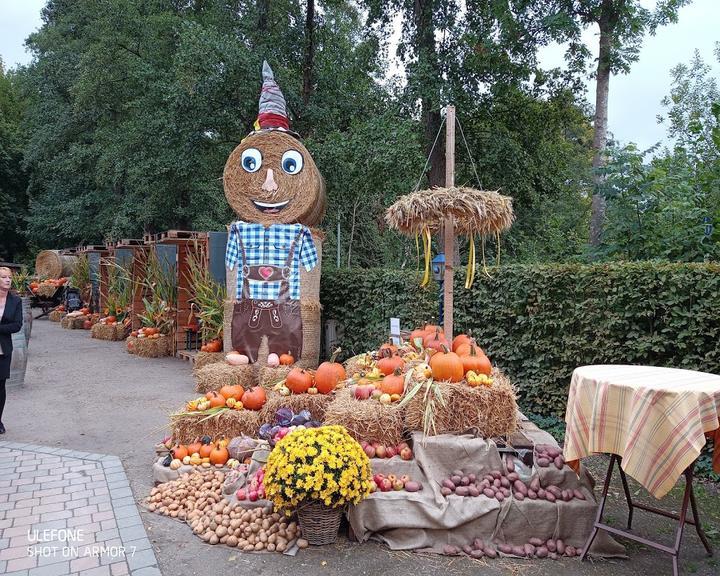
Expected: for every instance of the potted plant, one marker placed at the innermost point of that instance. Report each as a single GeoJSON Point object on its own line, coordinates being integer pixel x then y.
{"type": "Point", "coordinates": [317, 472]}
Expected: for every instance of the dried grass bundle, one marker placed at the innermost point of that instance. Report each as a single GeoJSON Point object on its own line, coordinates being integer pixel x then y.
{"type": "Point", "coordinates": [52, 264]}
{"type": "Point", "coordinates": [316, 404]}
{"type": "Point", "coordinates": [489, 411]}
{"type": "Point", "coordinates": [229, 423]}
{"type": "Point", "coordinates": [367, 419]}
{"type": "Point", "coordinates": [149, 347]}
{"type": "Point", "coordinates": [56, 316]}
{"type": "Point", "coordinates": [216, 375]}
{"type": "Point", "coordinates": [271, 375]}
{"type": "Point", "coordinates": [46, 290]}
{"type": "Point", "coordinates": [112, 332]}
{"type": "Point", "coordinates": [202, 359]}
{"type": "Point", "coordinates": [474, 211]}
{"type": "Point", "coordinates": [73, 322]}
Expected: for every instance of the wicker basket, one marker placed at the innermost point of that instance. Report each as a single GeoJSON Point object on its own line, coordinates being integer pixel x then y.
{"type": "Point", "coordinates": [319, 523]}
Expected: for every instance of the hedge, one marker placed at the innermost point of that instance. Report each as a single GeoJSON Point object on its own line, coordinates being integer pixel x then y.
{"type": "Point", "coordinates": [540, 322]}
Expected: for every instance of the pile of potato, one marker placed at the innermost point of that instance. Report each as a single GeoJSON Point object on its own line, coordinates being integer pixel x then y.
{"type": "Point", "coordinates": [545, 455]}
{"type": "Point", "coordinates": [188, 493]}
{"type": "Point", "coordinates": [197, 498]}
{"type": "Point", "coordinates": [535, 548]}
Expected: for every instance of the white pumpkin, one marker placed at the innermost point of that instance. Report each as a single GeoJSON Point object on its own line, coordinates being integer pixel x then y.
{"type": "Point", "coordinates": [236, 359]}
{"type": "Point", "coordinates": [273, 360]}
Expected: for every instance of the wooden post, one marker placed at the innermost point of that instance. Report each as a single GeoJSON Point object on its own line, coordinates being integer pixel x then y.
{"type": "Point", "coordinates": [449, 223]}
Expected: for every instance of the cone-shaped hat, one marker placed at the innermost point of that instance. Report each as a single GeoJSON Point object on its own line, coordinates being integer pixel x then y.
{"type": "Point", "coordinates": [272, 112]}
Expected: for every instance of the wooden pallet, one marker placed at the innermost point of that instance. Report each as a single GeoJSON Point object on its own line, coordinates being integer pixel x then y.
{"type": "Point", "coordinates": [171, 235]}
{"type": "Point", "coordinates": [128, 243]}
{"type": "Point", "coordinates": [188, 355]}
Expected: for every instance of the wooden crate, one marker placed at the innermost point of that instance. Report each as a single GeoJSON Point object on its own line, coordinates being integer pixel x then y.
{"type": "Point", "coordinates": [96, 254]}
{"type": "Point", "coordinates": [133, 254]}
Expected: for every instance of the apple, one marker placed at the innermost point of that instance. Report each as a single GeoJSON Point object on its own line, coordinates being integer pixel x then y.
{"type": "Point", "coordinates": [376, 394]}
{"type": "Point", "coordinates": [392, 478]}
{"type": "Point", "coordinates": [363, 444]}
{"type": "Point", "coordinates": [370, 451]}
{"type": "Point", "coordinates": [406, 454]}
{"type": "Point", "coordinates": [386, 485]}
{"type": "Point", "coordinates": [390, 452]}
{"type": "Point", "coordinates": [404, 478]}
{"type": "Point", "coordinates": [373, 486]}
{"type": "Point", "coordinates": [381, 451]}
{"type": "Point", "coordinates": [401, 446]}
{"type": "Point", "coordinates": [253, 495]}
{"type": "Point", "coordinates": [377, 478]}
{"type": "Point", "coordinates": [241, 494]}
{"type": "Point", "coordinates": [398, 485]}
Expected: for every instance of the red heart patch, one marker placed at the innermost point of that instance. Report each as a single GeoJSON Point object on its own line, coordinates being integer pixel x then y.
{"type": "Point", "coordinates": [265, 271]}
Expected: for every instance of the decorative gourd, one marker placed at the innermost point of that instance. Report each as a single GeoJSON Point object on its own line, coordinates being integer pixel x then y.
{"type": "Point", "coordinates": [473, 361]}
{"type": "Point", "coordinates": [179, 451]}
{"type": "Point", "coordinates": [298, 381]}
{"type": "Point", "coordinates": [329, 374]}
{"type": "Point", "coordinates": [390, 363]}
{"type": "Point", "coordinates": [175, 464]}
{"type": "Point", "coordinates": [273, 360]}
{"type": "Point", "coordinates": [446, 366]}
{"type": "Point", "coordinates": [219, 455]}
{"type": "Point", "coordinates": [236, 359]}
{"type": "Point", "coordinates": [393, 383]}
{"type": "Point", "coordinates": [287, 359]}
{"type": "Point", "coordinates": [254, 398]}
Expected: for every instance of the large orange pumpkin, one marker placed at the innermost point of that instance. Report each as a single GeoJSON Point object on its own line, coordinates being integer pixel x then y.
{"type": "Point", "coordinates": [460, 339]}
{"type": "Point", "coordinates": [446, 366]}
{"type": "Point", "coordinates": [232, 391]}
{"type": "Point", "coordinates": [254, 398]}
{"type": "Point", "coordinates": [205, 450]}
{"type": "Point", "coordinates": [393, 383]}
{"type": "Point", "coordinates": [474, 361]}
{"type": "Point", "coordinates": [216, 400]}
{"type": "Point", "coordinates": [179, 451]}
{"type": "Point", "coordinates": [435, 341]}
{"type": "Point", "coordinates": [299, 380]}
{"type": "Point", "coordinates": [390, 363]}
{"type": "Point", "coordinates": [219, 455]}
{"type": "Point", "coordinates": [329, 374]}
{"type": "Point", "coordinates": [464, 348]}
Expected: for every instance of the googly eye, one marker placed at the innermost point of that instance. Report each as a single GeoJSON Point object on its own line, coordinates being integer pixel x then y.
{"type": "Point", "coordinates": [292, 162]}
{"type": "Point", "coordinates": [251, 160]}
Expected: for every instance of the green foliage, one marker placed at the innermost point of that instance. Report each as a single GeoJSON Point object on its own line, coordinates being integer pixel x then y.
{"type": "Point", "coordinates": [538, 323]}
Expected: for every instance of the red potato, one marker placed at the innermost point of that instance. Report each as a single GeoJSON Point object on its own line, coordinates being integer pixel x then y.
{"type": "Point", "coordinates": [519, 496]}
{"type": "Point", "coordinates": [478, 544]}
{"type": "Point", "coordinates": [532, 495]}
{"type": "Point", "coordinates": [477, 554]}
{"type": "Point", "coordinates": [529, 549]}
{"type": "Point", "coordinates": [541, 552]}
{"type": "Point", "coordinates": [550, 497]}
{"type": "Point", "coordinates": [490, 552]}
{"type": "Point", "coordinates": [559, 462]}
{"type": "Point", "coordinates": [488, 492]}
{"type": "Point", "coordinates": [550, 545]}
{"type": "Point", "coordinates": [537, 542]}
{"type": "Point", "coordinates": [461, 491]}
{"type": "Point", "coordinates": [579, 495]}
{"type": "Point", "coordinates": [509, 464]}
{"type": "Point", "coordinates": [535, 484]}
{"type": "Point", "coordinates": [505, 548]}
{"type": "Point", "coordinates": [445, 491]}
{"type": "Point", "coordinates": [560, 546]}
{"type": "Point", "coordinates": [512, 476]}
{"type": "Point", "coordinates": [543, 462]}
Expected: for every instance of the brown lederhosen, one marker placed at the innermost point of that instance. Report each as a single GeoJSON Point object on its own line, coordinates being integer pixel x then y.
{"type": "Point", "coordinates": [279, 319]}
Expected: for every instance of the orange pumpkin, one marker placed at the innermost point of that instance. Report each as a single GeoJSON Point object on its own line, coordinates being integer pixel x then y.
{"type": "Point", "coordinates": [287, 359]}
{"type": "Point", "coordinates": [435, 341]}
{"type": "Point", "coordinates": [205, 450]}
{"type": "Point", "coordinates": [474, 361]}
{"type": "Point", "coordinates": [179, 451]}
{"type": "Point", "coordinates": [219, 455]}
{"type": "Point", "coordinates": [388, 346]}
{"type": "Point", "coordinates": [460, 339]}
{"type": "Point", "coordinates": [235, 391]}
{"type": "Point", "coordinates": [416, 338]}
{"type": "Point", "coordinates": [216, 399]}
{"type": "Point", "coordinates": [464, 348]}
{"type": "Point", "coordinates": [194, 447]}
{"type": "Point", "coordinates": [110, 319]}
{"type": "Point", "coordinates": [254, 398]}
{"type": "Point", "coordinates": [446, 366]}
{"type": "Point", "coordinates": [393, 383]}
{"type": "Point", "coordinates": [329, 374]}
{"type": "Point", "coordinates": [390, 363]}
{"type": "Point", "coordinates": [214, 346]}
{"type": "Point", "coordinates": [485, 366]}
{"type": "Point", "coordinates": [298, 381]}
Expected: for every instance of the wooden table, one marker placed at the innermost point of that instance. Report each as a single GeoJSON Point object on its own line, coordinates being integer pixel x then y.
{"type": "Point", "coordinates": [653, 422]}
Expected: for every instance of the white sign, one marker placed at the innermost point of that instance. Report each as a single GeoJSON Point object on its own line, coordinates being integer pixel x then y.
{"type": "Point", "coordinates": [395, 330]}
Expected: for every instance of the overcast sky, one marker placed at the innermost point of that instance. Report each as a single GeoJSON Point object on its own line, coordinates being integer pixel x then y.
{"type": "Point", "coordinates": [634, 98]}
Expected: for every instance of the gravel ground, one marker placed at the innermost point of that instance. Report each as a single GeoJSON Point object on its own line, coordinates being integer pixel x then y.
{"type": "Point", "coordinates": [90, 395]}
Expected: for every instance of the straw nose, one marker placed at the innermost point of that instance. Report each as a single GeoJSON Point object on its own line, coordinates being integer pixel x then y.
{"type": "Point", "coordinates": [269, 185]}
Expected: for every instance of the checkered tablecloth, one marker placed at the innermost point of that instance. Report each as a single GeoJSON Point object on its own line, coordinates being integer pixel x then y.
{"type": "Point", "coordinates": [656, 419]}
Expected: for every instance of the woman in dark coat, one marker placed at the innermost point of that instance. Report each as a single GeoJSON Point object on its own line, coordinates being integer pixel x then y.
{"type": "Point", "coordinates": [11, 320]}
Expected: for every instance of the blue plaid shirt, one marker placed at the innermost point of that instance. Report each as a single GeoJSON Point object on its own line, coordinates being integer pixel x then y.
{"type": "Point", "coordinates": [269, 247]}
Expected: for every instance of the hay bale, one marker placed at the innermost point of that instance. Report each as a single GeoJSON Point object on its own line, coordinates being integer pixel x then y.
{"type": "Point", "coordinates": [367, 419]}
{"type": "Point", "coordinates": [56, 316]}
{"type": "Point", "coordinates": [46, 290]}
{"type": "Point", "coordinates": [356, 364]}
{"type": "Point", "coordinates": [490, 412]}
{"type": "Point", "coordinates": [205, 358]}
{"type": "Point", "coordinates": [269, 376]}
{"type": "Point", "coordinates": [53, 264]}
{"type": "Point", "coordinates": [149, 347]}
{"type": "Point", "coordinates": [73, 322]}
{"type": "Point", "coordinates": [228, 423]}
{"type": "Point", "coordinates": [65, 322]}
{"type": "Point", "coordinates": [316, 404]}
{"type": "Point", "coordinates": [215, 376]}
{"type": "Point", "coordinates": [113, 332]}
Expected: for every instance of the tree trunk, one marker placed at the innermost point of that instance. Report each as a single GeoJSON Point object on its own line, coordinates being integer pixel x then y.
{"type": "Point", "coordinates": [263, 10]}
{"type": "Point", "coordinates": [309, 52]}
{"type": "Point", "coordinates": [607, 27]}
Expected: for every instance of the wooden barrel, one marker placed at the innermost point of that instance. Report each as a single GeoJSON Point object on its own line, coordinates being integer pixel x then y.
{"type": "Point", "coordinates": [52, 264]}
{"type": "Point", "coordinates": [27, 317]}
{"type": "Point", "coordinates": [18, 363]}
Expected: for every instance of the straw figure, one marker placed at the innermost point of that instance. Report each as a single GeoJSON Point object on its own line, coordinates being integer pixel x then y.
{"type": "Point", "coordinates": [273, 257]}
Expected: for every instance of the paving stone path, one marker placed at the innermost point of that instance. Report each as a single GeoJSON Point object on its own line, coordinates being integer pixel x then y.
{"type": "Point", "coordinates": [68, 512]}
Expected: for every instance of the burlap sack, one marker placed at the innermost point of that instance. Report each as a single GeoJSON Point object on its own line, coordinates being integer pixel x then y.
{"type": "Point", "coordinates": [427, 520]}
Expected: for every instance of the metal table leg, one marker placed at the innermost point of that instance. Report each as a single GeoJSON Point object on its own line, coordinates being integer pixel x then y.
{"type": "Point", "coordinates": [688, 500]}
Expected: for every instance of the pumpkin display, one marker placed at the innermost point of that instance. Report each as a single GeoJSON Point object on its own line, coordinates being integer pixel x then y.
{"type": "Point", "coordinates": [393, 383]}
{"type": "Point", "coordinates": [329, 374]}
{"type": "Point", "coordinates": [219, 455]}
{"type": "Point", "coordinates": [446, 366]}
{"type": "Point", "coordinates": [298, 381]}
{"type": "Point", "coordinates": [287, 359]}
{"type": "Point", "coordinates": [254, 398]}
{"type": "Point", "coordinates": [389, 363]}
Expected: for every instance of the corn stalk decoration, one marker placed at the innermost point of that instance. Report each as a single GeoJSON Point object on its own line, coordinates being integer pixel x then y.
{"type": "Point", "coordinates": [21, 282]}
{"type": "Point", "coordinates": [159, 284]}
{"type": "Point", "coordinates": [119, 289]}
{"type": "Point", "coordinates": [207, 295]}
{"type": "Point", "coordinates": [80, 278]}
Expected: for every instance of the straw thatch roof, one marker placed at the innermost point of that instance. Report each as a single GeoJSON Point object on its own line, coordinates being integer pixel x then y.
{"type": "Point", "coordinates": [474, 211]}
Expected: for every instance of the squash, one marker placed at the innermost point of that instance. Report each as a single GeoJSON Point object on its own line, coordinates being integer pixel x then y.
{"type": "Point", "coordinates": [474, 361]}
{"type": "Point", "coordinates": [216, 400]}
{"type": "Point", "coordinates": [329, 374]}
{"type": "Point", "coordinates": [194, 447]}
{"type": "Point", "coordinates": [393, 383]}
{"type": "Point", "coordinates": [231, 391]}
{"type": "Point", "coordinates": [446, 366]}
{"type": "Point", "coordinates": [389, 363]}
{"type": "Point", "coordinates": [287, 359]}
{"type": "Point", "coordinates": [219, 455]}
{"type": "Point", "coordinates": [298, 381]}
{"type": "Point", "coordinates": [273, 360]}
{"type": "Point", "coordinates": [179, 451]}
{"type": "Point", "coordinates": [254, 398]}
{"type": "Point", "coordinates": [435, 341]}
{"type": "Point", "coordinates": [464, 348]}
{"type": "Point", "coordinates": [460, 339]}
{"type": "Point", "coordinates": [236, 359]}
{"type": "Point", "coordinates": [205, 450]}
